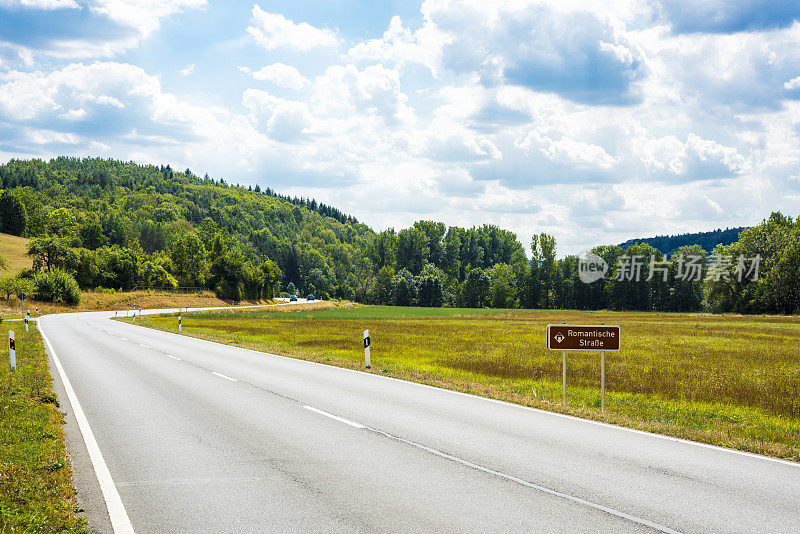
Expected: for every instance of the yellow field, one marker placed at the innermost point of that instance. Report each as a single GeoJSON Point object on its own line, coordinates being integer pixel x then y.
{"type": "Point", "coordinates": [124, 300]}
{"type": "Point", "coordinates": [14, 249]}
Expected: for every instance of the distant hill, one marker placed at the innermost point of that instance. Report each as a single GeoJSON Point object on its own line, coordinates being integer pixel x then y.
{"type": "Point", "coordinates": [669, 244]}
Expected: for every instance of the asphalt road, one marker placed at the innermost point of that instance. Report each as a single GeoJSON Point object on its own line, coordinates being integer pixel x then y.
{"type": "Point", "coordinates": [202, 437]}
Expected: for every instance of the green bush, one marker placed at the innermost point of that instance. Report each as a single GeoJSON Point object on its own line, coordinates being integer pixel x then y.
{"type": "Point", "coordinates": [56, 286]}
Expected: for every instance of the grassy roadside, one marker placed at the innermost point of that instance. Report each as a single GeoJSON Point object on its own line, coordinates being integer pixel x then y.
{"type": "Point", "coordinates": [36, 493]}
{"type": "Point", "coordinates": [725, 380]}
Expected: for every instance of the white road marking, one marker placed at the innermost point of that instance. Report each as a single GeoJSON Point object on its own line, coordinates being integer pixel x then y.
{"type": "Point", "coordinates": [142, 345]}
{"type": "Point", "coordinates": [224, 376]}
{"type": "Point", "coordinates": [512, 478]}
{"type": "Point", "coordinates": [120, 522]}
{"type": "Point", "coordinates": [336, 417]}
{"type": "Point", "coordinates": [124, 338]}
{"type": "Point", "coordinates": [173, 357]}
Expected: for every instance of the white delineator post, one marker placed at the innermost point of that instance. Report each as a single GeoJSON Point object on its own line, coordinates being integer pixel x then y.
{"type": "Point", "coordinates": [12, 350]}
{"type": "Point", "coordinates": [26, 324]}
{"type": "Point", "coordinates": [366, 348]}
{"type": "Point", "coordinates": [179, 324]}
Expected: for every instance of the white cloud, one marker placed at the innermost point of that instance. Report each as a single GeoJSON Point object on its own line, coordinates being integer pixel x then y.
{"type": "Point", "coordinates": [344, 90]}
{"type": "Point", "coordinates": [284, 120]}
{"type": "Point", "coordinates": [274, 31]}
{"type": "Point", "coordinates": [143, 15]}
{"type": "Point", "coordinates": [49, 4]}
{"type": "Point", "coordinates": [279, 74]}
{"type": "Point", "coordinates": [794, 83]}
{"type": "Point", "coordinates": [99, 28]}
{"type": "Point", "coordinates": [75, 114]}
{"type": "Point", "coordinates": [400, 46]}
{"type": "Point", "coordinates": [187, 70]}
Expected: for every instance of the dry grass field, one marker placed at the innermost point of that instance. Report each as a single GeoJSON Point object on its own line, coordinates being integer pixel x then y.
{"type": "Point", "coordinates": [727, 380]}
{"type": "Point", "coordinates": [123, 300]}
{"type": "Point", "coordinates": [14, 249]}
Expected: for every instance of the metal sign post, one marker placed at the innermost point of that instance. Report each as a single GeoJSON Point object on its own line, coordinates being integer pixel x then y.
{"type": "Point", "coordinates": [12, 350]}
{"type": "Point", "coordinates": [603, 378]}
{"type": "Point", "coordinates": [566, 337]}
{"type": "Point", "coordinates": [564, 377]}
{"type": "Point", "coordinates": [22, 296]}
{"type": "Point", "coordinates": [366, 348]}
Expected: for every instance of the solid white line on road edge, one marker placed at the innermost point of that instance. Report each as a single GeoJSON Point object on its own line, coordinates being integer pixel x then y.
{"type": "Point", "coordinates": [173, 357]}
{"type": "Point", "coordinates": [116, 510]}
{"type": "Point", "coordinates": [336, 417]}
{"type": "Point", "coordinates": [224, 376]}
{"type": "Point", "coordinates": [512, 478]}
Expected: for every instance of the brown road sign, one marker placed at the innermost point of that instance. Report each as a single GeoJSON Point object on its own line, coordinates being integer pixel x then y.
{"type": "Point", "coordinates": [582, 337]}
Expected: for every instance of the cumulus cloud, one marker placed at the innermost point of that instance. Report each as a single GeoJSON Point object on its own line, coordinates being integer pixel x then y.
{"type": "Point", "coordinates": [102, 28]}
{"type": "Point", "coordinates": [274, 31]}
{"type": "Point", "coordinates": [792, 84]}
{"type": "Point", "coordinates": [284, 120]}
{"type": "Point", "coordinates": [689, 16]}
{"type": "Point", "coordinates": [105, 99]}
{"type": "Point", "coordinates": [348, 90]}
{"type": "Point", "coordinates": [279, 74]}
{"type": "Point", "coordinates": [48, 4]}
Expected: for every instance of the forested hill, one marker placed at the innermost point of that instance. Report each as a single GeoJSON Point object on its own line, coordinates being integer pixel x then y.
{"type": "Point", "coordinates": [118, 225]}
{"type": "Point", "coordinates": [97, 205]}
{"type": "Point", "coordinates": [669, 244]}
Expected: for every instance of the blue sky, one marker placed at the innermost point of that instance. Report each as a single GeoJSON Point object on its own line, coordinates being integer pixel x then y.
{"type": "Point", "coordinates": [593, 121]}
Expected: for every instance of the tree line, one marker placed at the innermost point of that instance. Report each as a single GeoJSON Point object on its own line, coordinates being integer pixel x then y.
{"type": "Point", "coordinates": [113, 224]}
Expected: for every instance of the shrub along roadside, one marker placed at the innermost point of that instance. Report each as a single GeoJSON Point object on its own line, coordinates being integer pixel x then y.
{"type": "Point", "coordinates": [56, 286]}
{"type": "Point", "coordinates": [36, 493]}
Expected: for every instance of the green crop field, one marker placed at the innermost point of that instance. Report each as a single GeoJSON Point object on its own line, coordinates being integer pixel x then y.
{"type": "Point", "coordinates": [722, 379]}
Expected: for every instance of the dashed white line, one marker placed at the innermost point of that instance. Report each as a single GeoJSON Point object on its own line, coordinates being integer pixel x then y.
{"type": "Point", "coordinates": [335, 417]}
{"type": "Point", "coordinates": [173, 357]}
{"type": "Point", "coordinates": [143, 346]}
{"type": "Point", "coordinates": [512, 478]}
{"type": "Point", "coordinates": [224, 376]}
{"type": "Point", "coordinates": [124, 338]}
{"type": "Point", "coordinates": [543, 489]}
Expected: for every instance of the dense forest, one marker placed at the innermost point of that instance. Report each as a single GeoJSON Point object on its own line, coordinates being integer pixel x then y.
{"type": "Point", "coordinates": [102, 223]}
{"type": "Point", "coordinates": [670, 244]}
